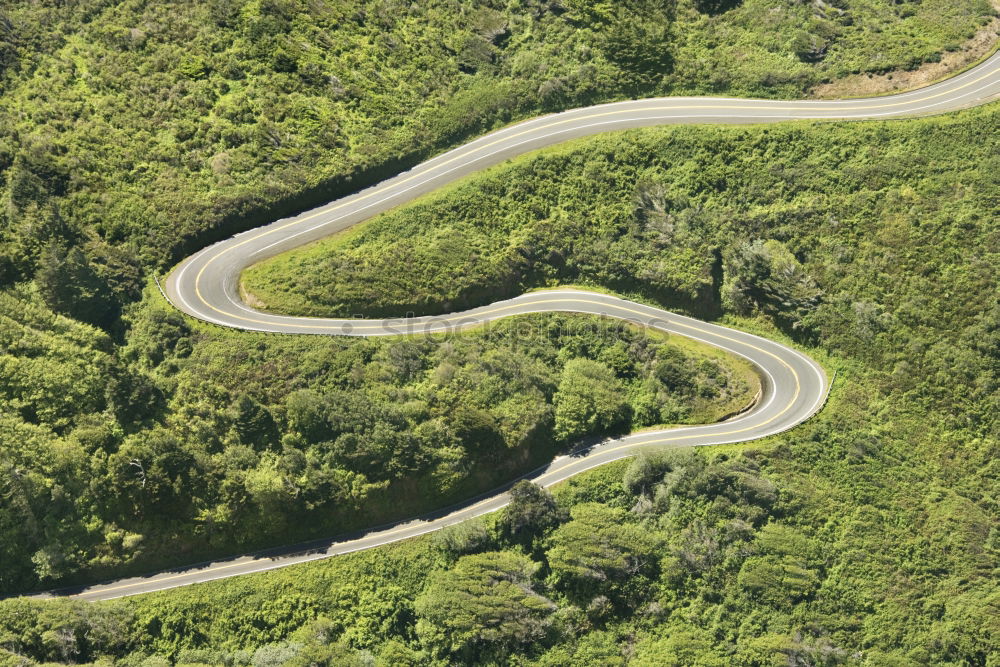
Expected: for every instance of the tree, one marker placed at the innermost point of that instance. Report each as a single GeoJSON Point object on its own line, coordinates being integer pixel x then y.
{"type": "Point", "coordinates": [673, 370]}
{"type": "Point", "coordinates": [684, 646]}
{"type": "Point", "coordinates": [764, 275]}
{"type": "Point", "coordinates": [69, 286]}
{"type": "Point", "coordinates": [634, 34]}
{"type": "Point", "coordinates": [463, 538]}
{"type": "Point", "coordinates": [317, 648]}
{"type": "Point", "coordinates": [155, 334]}
{"type": "Point", "coordinates": [483, 608]}
{"type": "Point", "coordinates": [601, 552]}
{"type": "Point", "coordinates": [395, 652]}
{"type": "Point", "coordinates": [157, 473]}
{"type": "Point", "coordinates": [532, 510]}
{"type": "Point", "coordinates": [8, 43]}
{"type": "Point", "coordinates": [781, 574]}
{"type": "Point", "coordinates": [266, 485]}
{"type": "Point", "coordinates": [779, 581]}
{"type": "Point", "coordinates": [253, 423]}
{"type": "Point", "coordinates": [307, 415]}
{"type": "Point", "coordinates": [589, 400]}
{"type": "Point", "coordinates": [648, 469]}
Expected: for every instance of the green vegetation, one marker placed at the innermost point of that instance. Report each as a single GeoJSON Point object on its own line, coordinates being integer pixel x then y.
{"type": "Point", "coordinates": [189, 440]}
{"type": "Point", "coordinates": [832, 230]}
{"type": "Point", "coordinates": [682, 558]}
{"type": "Point", "coordinates": [140, 131]}
{"type": "Point", "coordinates": [868, 535]}
{"type": "Point", "coordinates": [131, 437]}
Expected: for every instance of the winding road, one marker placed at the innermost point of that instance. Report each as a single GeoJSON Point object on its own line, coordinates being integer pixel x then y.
{"type": "Point", "coordinates": [794, 387]}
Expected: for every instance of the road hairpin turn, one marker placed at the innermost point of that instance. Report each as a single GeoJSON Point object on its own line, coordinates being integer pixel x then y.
{"type": "Point", "coordinates": [206, 286]}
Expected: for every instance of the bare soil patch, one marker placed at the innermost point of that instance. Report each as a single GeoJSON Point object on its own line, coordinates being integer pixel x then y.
{"type": "Point", "coordinates": [251, 299]}
{"type": "Point", "coordinates": [864, 85]}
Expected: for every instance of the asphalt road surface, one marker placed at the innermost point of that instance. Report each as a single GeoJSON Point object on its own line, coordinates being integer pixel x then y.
{"type": "Point", "coordinates": [206, 286]}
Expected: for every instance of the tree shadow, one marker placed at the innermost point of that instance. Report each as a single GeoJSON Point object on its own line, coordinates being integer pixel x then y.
{"type": "Point", "coordinates": [715, 7]}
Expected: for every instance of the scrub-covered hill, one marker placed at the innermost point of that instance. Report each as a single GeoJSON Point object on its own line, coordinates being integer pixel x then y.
{"type": "Point", "coordinates": [191, 441]}
{"type": "Point", "coordinates": [866, 536]}
{"type": "Point", "coordinates": [139, 130]}
{"type": "Point", "coordinates": [131, 130]}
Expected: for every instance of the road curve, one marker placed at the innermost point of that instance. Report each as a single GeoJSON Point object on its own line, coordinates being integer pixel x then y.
{"type": "Point", "coordinates": [206, 286]}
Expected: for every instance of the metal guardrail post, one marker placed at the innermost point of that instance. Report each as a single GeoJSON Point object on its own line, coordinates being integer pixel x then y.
{"type": "Point", "coordinates": [156, 279]}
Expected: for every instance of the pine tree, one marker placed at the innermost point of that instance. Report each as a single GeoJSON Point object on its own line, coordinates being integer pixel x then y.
{"type": "Point", "coordinates": [69, 286]}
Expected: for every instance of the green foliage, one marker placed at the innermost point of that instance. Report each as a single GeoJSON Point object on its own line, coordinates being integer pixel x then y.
{"type": "Point", "coordinates": [484, 608]}
{"type": "Point", "coordinates": [189, 441]}
{"type": "Point", "coordinates": [142, 131]}
{"type": "Point", "coordinates": [765, 276]}
{"type": "Point", "coordinates": [672, 577]}
{"type": "Point", "coordinates": [600, 552]}
{"type": "Point", "coordinates": [780, 554]}
{"type": "Point", "coordinates": [589, 399]}
{"type": "Point", "coordinates": [781, 575]}
{"type": "Point", "coordinates": [685, 646]}
{"type": "Point", "coordinates": [464, 538]}
{"type": "Point", "coordinates": [132, 132]}
{"type": "Point", "coordinates": [70, 286]}
{"type": "Point", "coordinates": [688, 217]}
{"type": "Point", "coordinates": [874, 241]}
{"type": "Point", "coordinates": [532, 510]}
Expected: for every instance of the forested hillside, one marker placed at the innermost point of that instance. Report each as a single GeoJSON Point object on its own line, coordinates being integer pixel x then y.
{"type": "Point", "coordinates": [191, 440]}
{"type": "Point", "coordinates": [867, 535]}
{"type": "Point", "coordinates": [130, 436]}
{"type": "Point", "coordinates": [833, 230]}
{"type": "Point", "coordinates": [133, 132]}
{"type": "Point", "coordinates": [138, 131]}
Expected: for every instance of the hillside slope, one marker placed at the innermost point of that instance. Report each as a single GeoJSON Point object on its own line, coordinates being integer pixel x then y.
{"type": "Point", "coordinates": [865, 536]}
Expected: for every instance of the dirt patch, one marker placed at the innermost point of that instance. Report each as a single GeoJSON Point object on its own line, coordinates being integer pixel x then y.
{"type": "Point", "coordinates": [864, 85]}
{"type": "Point", "coordinates": [250, 299]}
{"type": "Point", "coordinates": [746, 408]}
